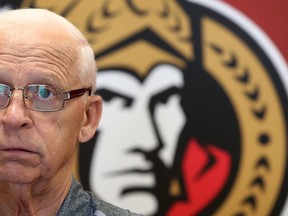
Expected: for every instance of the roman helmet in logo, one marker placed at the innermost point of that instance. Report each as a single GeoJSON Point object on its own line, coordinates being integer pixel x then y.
{"type": "Point", "coordinates": [193, 121]}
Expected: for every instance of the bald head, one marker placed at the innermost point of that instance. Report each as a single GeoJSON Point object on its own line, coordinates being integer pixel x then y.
{"type": "Point", "coordinates": [42, 27]}
{"type": "Point", "coordinates": [38, 19]}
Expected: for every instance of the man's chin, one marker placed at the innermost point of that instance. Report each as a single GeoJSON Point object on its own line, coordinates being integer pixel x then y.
{"type": "Point", "coordinates": [17, 175]}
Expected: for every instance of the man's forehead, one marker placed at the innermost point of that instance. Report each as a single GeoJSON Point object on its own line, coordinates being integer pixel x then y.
{"type": "Point", "coordinates": [31, 48]}
{"type": "Point", "coordinates": [55, 58]}
{"type": "Point", "coordinates": [34, 36]}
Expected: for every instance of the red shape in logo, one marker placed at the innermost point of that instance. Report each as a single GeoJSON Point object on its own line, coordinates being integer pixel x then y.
{"type": "Point", "coordinates": [201, 188]}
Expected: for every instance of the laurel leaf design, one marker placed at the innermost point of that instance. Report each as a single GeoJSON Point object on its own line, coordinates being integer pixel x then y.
{"type": "Point", "coordinates": [216, 48]}
{"type": "Point", "coordinates": [263, 162]}
{"type": "Point", "coordinates": [166, 10]}
{"type": "Point", "coordinates": [242, 76]}
{"type": "Point", "coordinates": [135, 9]}
{"type": "Point", "coordinates": [232, 62]}
{"type": "Point", "coordinates": [245, 78]}
{"type": "Point", "coordinates": [260, 114]}
{"type": "Point", "coordinates": [251, 201]}
{"type": "Point", "coordinates": [108, 13]}
{"type": "Point", "coordinates": [253, 95]}
{"type": "Point", "coordinates": [258, 182]}
{"type": "Point", "coordinates": [92, 28]}
{"type": "Point", "coordinates": [177, 26]}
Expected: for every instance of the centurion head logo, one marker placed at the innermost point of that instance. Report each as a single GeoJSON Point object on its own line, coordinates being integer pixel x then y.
{"type": "Point", "coordinates": [195, 109]}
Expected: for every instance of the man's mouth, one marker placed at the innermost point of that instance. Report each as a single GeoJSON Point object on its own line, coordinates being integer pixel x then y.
{"type": "Point", "coordinates": [16, 150]}
{"type": "Point", "coordinates": [15, 153]}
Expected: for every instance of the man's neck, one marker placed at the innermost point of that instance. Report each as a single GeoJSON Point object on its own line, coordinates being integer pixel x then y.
{"type": "Point", "coordinates": [30, 199]}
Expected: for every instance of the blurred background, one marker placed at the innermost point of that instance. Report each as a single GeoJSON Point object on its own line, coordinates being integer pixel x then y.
{"type": "Point", "coordinates": [195, 104]}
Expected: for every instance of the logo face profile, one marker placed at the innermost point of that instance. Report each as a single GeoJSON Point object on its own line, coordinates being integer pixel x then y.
{"type": "Point", "coordinates": [194, 118]}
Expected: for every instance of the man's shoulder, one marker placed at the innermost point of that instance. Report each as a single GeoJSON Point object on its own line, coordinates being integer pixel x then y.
{"type": "Point", "coordinates": [110, 210]}
{"type": "Point", "coordinates": [79, 202]}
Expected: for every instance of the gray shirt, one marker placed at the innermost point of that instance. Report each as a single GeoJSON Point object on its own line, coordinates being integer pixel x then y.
{"type": "Point", "coordinates": [83, 203]}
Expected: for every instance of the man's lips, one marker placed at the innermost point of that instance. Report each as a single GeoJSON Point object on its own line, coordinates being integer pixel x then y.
{"type": "Point", "coordinates": [16, 155]}
{"type": "Point", "coordinates": [17, 151]}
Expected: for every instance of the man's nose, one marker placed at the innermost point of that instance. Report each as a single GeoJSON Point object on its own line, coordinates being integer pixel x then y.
{"type": "Point", "coordinates": [15, 114]}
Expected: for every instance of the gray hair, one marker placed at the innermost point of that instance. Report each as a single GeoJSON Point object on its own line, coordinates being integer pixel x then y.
{"type": "Point", "coordinates": [85, 64]}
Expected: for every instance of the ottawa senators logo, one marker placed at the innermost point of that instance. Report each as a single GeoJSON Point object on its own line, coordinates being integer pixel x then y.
{"type": "Point", "coordinates": [195, 109]}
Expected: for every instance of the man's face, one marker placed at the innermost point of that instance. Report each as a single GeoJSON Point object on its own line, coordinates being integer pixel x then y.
{"type": "Point", "coordinates": [37, 145]}
{"type": "Point", "coordinates": [138, 118]}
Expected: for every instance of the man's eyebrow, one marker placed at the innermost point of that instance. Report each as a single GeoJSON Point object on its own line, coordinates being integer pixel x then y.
{"type": "Point", "coordinates": [45, 79]}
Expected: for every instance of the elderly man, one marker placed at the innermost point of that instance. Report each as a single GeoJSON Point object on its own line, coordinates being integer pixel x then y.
{"type": "Point", "coordinates": [47, 74]}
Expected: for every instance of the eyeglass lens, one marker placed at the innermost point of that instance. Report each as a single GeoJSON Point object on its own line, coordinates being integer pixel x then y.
{"type": "Point", "coordinates": [36, 97]}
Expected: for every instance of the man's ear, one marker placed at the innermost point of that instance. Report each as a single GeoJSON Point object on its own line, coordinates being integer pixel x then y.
{"type": "Point", "coordinates": [92, 118]}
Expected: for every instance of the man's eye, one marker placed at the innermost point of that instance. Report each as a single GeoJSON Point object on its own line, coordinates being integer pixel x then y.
{"type": "Point", "coordinates": [44, 93]}
{"type": "Point", "coordinates": [40, 92]}
{"type": "Point", "coordinates": [4, 91]}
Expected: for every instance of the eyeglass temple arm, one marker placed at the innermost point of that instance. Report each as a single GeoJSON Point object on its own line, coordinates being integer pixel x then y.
{"type": "Point", "coordinates": [77, 93]}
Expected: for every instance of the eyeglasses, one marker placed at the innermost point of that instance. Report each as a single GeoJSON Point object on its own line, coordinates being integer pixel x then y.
{"type": "Point", "coordinates": [43, 98]}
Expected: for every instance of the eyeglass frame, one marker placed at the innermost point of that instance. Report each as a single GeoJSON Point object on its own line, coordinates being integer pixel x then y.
{"type": "Point", "coordinates": [67, 95]}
